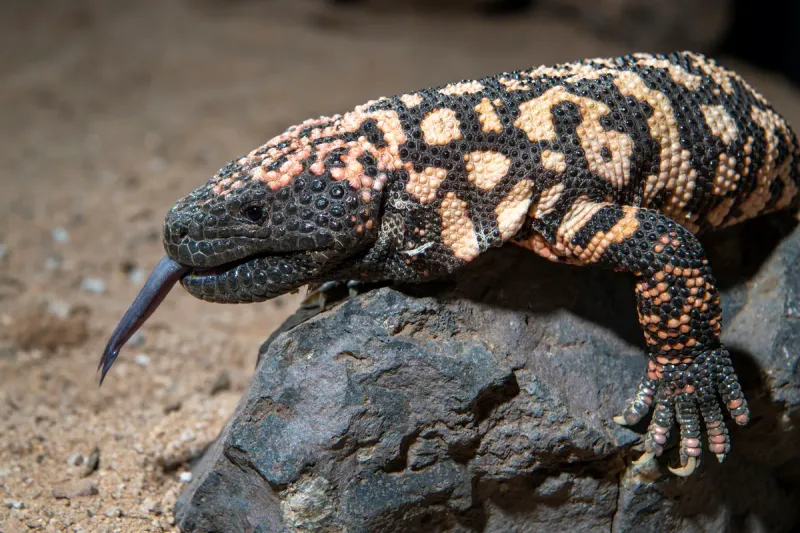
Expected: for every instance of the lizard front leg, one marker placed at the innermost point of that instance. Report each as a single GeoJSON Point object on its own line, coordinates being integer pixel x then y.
{"type": "Point", "coordinates": [679, 310]}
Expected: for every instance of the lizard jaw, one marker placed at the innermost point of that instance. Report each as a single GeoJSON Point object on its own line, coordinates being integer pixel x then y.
{"type": "Point", "coordinates": [252, 279]}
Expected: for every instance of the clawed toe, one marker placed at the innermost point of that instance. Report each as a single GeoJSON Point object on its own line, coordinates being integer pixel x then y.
{"type": "Point", "coordinates": [645, 459]}
{"type": "Point", "coordinates": [321, 294]}
{"type": "Point", "coordinates": [639, 404]}
{"type": "Point", "coordinates": [687, 469]}
{"type": "Point", "coordinates": [694, 396]}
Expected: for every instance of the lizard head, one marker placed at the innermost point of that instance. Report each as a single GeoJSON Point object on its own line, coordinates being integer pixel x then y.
{"type": "Point", "coordinates": [278, 218]}
{"type": "Point", "coordinates": [299, 209]}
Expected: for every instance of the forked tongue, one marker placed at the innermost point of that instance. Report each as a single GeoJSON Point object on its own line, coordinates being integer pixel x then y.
{"type": "Point", "coordinates": [161, 280]}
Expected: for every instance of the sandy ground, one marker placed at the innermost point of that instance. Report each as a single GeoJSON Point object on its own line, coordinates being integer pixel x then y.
{"type": "Point", "coordinates": [111, 112]}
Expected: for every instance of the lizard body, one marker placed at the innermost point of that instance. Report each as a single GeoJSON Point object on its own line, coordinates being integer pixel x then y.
{"type": "Point", "coordinates": [615, 162]}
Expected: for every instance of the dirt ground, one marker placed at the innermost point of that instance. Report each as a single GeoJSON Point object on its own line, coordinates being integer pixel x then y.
{"type": "Point", "coordinates": [111, 111]}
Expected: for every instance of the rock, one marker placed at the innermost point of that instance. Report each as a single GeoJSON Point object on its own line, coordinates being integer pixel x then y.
{"type": "Point", "coordinates": [113, 512]}
{"type": "Point", "coordinates": [485, 404]}
{"type": "Point", "coordinates": [59, 308]}
{"type": "Point", "coordinates": [52, 263]}
{"type": "Point", "coordinates": [137, 339]}
{"type": "Point", "coordinates": [60, 234]}
{"type": "Point", "coordinates": [137, 276]}
{"type": "Point", "coordinates": [93, 285]}
{"type": "Point", "coordinates": [187, 435]}
{"type": "Point", "coordinates": [142, 359]}
{"type": "Point", "coordinates": [172, 405]}
{"type": "Point", "coordinates": [75, 459]}
{"type": "Point", "coordinates": [221, 383]}
{"type": "Point", "coordinates": [75, 489]}
{"type": "Point", "coordinates": [14, 504]}
{"type": "Point", "coordinates": [151, 506]}
{"type": "Point", "coordinates": [92, 463]}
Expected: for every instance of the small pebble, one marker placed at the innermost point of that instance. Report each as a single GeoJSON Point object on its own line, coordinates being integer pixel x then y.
{"type": "Point", "coordinates": [91, 463]}
{"type": "Point", "coordinates": [172, 406]}
{"type": "Point", "coordinates": [11, 504]}
{"type": "Point", "coordinates": [113, 512]}
{"type": "Point", "coordinates": [137, 339]}
{"type": "Point", "coordinates": [59, 308]}
{"type": "Point", "coordinates": [121, 369]}
{"type": "Point", "coordinates": [221, 383]}
{"type": "Point", "coordinates": [185, 477]}
{"type": "Point", "coordinates": [83, 487]}
{"type": "Point", "coordinates": [152, 506]}
{"type": "Point", "coordinates": [142, 359]}
{"type": "Point", "coordinates": [187, 435]}
{"type": "Point", "coordinates": [94, 285]}
{"type": "Point", "coordinates": [52, 263]}
{"type": "Point", "coordinates": [60, 234]}
{"type": "Point", "coordinates": [75, 459]}
{"type": "Point", "coordinates": [136, 276]}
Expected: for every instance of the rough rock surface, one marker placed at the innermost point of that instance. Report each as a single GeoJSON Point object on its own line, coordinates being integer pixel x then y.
{"type": "Point", "coordinates": [485, 404]}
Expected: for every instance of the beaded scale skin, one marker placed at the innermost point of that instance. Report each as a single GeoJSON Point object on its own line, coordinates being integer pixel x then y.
{"type": "Point", "coordinates": [614, 162]}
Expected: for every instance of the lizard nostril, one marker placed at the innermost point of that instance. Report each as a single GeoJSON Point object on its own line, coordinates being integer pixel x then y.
{"type": "Point", "coordinates": [179, 229]}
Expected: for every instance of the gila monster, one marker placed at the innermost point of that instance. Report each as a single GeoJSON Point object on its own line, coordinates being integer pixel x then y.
{"type": "Point", "coordinates": [617, 162]}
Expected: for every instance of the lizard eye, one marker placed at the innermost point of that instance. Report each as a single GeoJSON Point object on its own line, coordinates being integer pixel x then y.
{"type": "Point", "coordinates": [255, 212]}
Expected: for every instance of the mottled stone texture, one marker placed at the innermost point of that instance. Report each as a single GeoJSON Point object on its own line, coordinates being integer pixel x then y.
{"type": "Point", "coordinates": [485, 404]}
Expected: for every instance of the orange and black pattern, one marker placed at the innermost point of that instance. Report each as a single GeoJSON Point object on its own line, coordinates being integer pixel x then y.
{"type": "Point", "coordinates": [615, 162]}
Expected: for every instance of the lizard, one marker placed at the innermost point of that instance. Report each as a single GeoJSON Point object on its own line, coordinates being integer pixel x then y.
{"type": "Point", "coordinates": [616, 162]}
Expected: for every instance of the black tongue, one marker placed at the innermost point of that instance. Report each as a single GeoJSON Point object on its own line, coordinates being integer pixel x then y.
{"type": "Point", "coordinates": [161, 280]}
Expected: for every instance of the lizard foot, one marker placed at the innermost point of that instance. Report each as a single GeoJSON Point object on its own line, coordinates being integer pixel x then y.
{"type": "Point", "coordinates": [684, 393]}
{"type": "Point", "coordinates": [321, 294]}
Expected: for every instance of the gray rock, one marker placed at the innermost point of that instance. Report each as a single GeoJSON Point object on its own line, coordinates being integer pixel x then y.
{"type": "Point", "coordinates": [52, 263]}
{"type": "Point", "coordinates": [485, 404]}
{"type": "Point", "coordinates": [94, 285]}
{"type": "Point", "coordinates": [60, 234]}
{"type": "Point", "coordinates": [13, 504]}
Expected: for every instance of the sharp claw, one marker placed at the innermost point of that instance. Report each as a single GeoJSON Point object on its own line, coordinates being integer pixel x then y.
{"type": "Point", "coordinates": [720, 457]}
{"type": "Point", "coordinates": [644, 459]}
{"type": "Point", "coordinates": [687, 469]}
